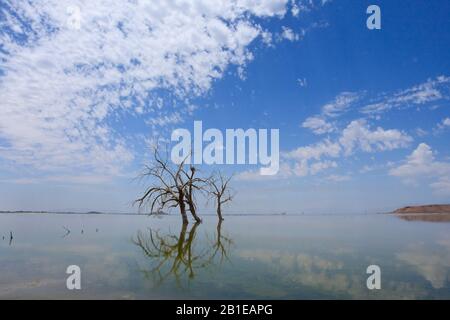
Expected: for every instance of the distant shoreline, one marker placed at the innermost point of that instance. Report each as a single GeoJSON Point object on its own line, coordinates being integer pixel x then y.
{"type": "Point", "coordinates": [408, 210]}
{"type": "Point", "coordinates": [63, 212]}
{"type": "Point", "coordinates": [424, 209]}
{"type": "Point", "coordinates": [283, 214]}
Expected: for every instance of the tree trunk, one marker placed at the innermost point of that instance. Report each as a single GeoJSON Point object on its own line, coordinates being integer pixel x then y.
{"type": "Point", "coordinates": [219, 230]}
{"type": "Point", "coordinates": [193, 212]}
{"type": "Point", "coordinates": [183, 208]}
{"type": "Point", "coordinates": [183, 214]}
{"type": "Point", "coordinates": [190, 199]}
{"type": "Point", "coordinates": [219, 210]}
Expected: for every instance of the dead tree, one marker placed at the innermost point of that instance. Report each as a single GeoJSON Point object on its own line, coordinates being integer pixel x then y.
{"type": "Point", "coordinates": [193, 184]}
{"type": "Point", "coordinates": [218, 189]}
{"type": "Point", "coordinates": [168, 188]}
{"type": "Point", "coordinates": [173, 186]}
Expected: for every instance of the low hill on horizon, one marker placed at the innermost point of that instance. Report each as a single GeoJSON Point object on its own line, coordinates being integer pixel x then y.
{"type": "Point", "coordinates": [433, 208]}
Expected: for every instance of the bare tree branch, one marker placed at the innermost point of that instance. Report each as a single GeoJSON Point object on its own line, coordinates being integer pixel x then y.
{"type": "Point", "coordinates": [219, 191]}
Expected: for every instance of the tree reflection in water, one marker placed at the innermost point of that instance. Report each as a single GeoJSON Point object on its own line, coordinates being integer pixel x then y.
{"type": "Point", "coordinates": [183, 255]}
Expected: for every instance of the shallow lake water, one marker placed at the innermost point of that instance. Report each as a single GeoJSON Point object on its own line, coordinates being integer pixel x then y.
{"type": "Point", "coordinates": [245, 257]}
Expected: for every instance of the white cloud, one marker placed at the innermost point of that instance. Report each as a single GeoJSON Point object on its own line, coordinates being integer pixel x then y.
{"type": "Point", "coordinates": [267, 38]}
{"type": "Point", "coordinates": [338, 178]}
{"type": "Point", "coordinates": [422, 164]}
{"type": "Point", "coordinates": [315, 158]}
{"type": "Point", "coordinates": [263, 8]}
{"type": "Point", "coordinates": [165, 120]}
{"type": "Point", "coordinates": [309, 160]}
{"type": "Point", "coordinates": [358, 135]}
{"type": "Point", "coordinates": [295, 10]}
{"type": "Point", "coordinates": [302, 166]}
{"type": "Point", "coordinates": [306, 5]}
{"type": "Point", "coordinates": [321, 165]}
{"type": "Point", "coordinates": [429, 91]}
{"type": "Point", "coordinates": [318, 125]}
{"type": "Point", "coordinates": [421, 93]}
{"type": "Point", "coordinates": [376, 167]}
{"type": "Point", "coordinates": [302, 82]}
{"type": "Point", "coordinates": [62, 88]}
{"type": "Point", "coordinates": [317, 151]}
{"type": "Point", "coordinates": [446, 122]}
{"type": "Point", "coordinates": [289, 34]}
{"type": "Point", "coordinates": [421, 133]}
{"type": "Point", "coordinates": [340, 104]}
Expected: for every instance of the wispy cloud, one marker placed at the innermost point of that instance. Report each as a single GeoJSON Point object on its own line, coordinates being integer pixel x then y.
{"type": "Point", "coordinates": [65, 90]}
{"type": "Point", "coordinates": [338, 178]}
{"type": "Point", "coordinates": [340, 104]}
{"type": "Point", "coordinates": [441, 126]}
{"type": "Point", "coordinates": [430, 91]}
{"type": "Point", "coordinates": [318, 125]}
{"type": "Point", "coordinates": [322, 123]}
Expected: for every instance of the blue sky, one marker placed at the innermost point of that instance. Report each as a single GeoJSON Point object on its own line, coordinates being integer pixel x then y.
{"type": "Point", "coordinates": [363, 114]}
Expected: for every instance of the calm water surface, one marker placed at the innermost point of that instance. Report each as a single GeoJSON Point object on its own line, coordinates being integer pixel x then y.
{"type": "Point", "coordinates": [280, 257]}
